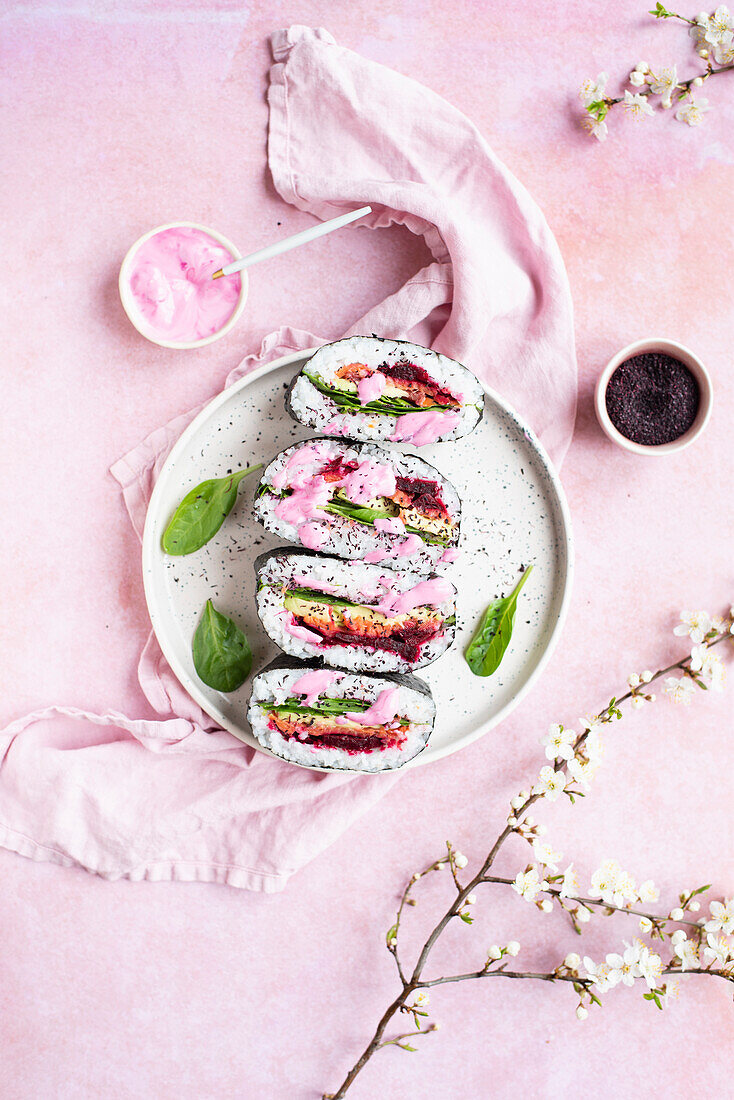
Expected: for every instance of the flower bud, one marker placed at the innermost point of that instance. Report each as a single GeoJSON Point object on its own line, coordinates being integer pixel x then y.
{"type": "Point", "coordinates": [633, 680]}
{"type": "Point", "coordinates": [641, 66]}
{"type": "Point", "coordinates": [694, 906]}
{"type": "Point", "coordinates": [583, 915]}
{"type": "Point", "coordinates": [572, 961]}
{"type": "Point", "coordinates": [494, 952]}
{"type": "Point", "coordinates": [581, 1012]}
{"type": "Point", "coordinates": [546, 905]}
{"type": "Point", "coordinates": [646, 676]}
{"type": "Point", "coordinates": [697, 81]}
{"type": "Point", "coordinates": [645, 924]}
{"type": "Point", "coordinates": [637, 702]}
{"type": "Point", "coordinates": [513, 948]}
{"type": "Point", "coordinates": [678, 936]}
{"type": "Point", "coordinates": [637, 79]}
{"type": "Point", "coordinates": [676, 914]}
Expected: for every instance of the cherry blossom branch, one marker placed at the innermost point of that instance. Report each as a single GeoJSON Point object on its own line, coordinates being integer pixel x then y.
{"type": "Point", "coordinates": [574, 759]}
{"type": "Point", "coordinates": [713, 37]}
{"type": "Point", "coordinates": [598, 903]}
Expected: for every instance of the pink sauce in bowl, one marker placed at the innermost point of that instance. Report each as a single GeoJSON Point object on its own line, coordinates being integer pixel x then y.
{"type": "Point", "coordinates": [167, 290]}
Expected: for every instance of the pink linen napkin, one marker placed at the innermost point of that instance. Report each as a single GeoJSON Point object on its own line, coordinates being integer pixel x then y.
{"type": "Point", "coordinates": [177, 797]}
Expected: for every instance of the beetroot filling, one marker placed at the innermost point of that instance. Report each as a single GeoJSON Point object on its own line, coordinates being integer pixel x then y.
{"type": "Point", "coordinates": [409, 372]}
{"type": "Point", "coordinates": [407, 643]}
{"type": "Point", "coordinates": [337, 469]}
{"type": "Point", "coordinates": [425, 495]}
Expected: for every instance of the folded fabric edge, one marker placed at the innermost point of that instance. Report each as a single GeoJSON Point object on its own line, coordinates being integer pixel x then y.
{"type": "Point", "coordinates": [242, 878]}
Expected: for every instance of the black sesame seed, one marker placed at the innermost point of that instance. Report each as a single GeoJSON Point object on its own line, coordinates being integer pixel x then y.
{"type": "Point", "coordinates": [652, 399]}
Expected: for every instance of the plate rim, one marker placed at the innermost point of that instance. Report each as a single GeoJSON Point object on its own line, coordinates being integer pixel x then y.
{"type": "Point", "coordinates": [150, 546]}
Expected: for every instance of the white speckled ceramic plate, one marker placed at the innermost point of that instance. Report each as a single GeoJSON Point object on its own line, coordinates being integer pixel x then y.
{"type": "Point", "coordinates": [514, 513]}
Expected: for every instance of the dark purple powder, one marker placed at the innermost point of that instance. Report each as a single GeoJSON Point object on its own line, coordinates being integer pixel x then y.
{"type": "Point", "coordinates": [652, 399]}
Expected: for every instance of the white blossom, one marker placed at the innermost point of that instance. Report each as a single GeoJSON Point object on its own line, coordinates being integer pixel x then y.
{"type": "Point", "coordinates": [724, 52]}
{"type": "Point", "coordinates": [648, 891]}
{"type": "Point", "coordinates": [559, 742]}
{"type": "Point", "coordinates": [710, 666]}
{"type": "Point", "coordinates": [687, 952]}
{"type": "Point", "coordinates": [593, 744]}
{"type": "Point", "coordinates": [550, 783]}
{"type": "Point", "coordinates": [633, 680]}
{"type": "Point", "coordinates": [471, 899]}
{"type": "Point", "coordinates": [670, 993]}
{"type": "Point", "coordinates": [637, 105]}
{"type": "Point", "coordinates": [624, 968]}
{"type": "Point", "coordinates": [599, 974]}
{"type": "Point", "coordinates": [545, 854]}
{"type": "Point", "coordinates": [637, 702]}
{"type": "Point", "coordinates": [582, 771]}
{"type": "Point", "coordinates": [650, 966]}
{"type": "Point", "coordinates": [613, 885]}
{"type": "Point", "coordinates": [513, 948]}
{"type": "Point", "coordinates": [722, 916]}
{"type": "Point", "coordinates": [645, 925]}
{"type": "Point", "coordinates": [597, 127]}
{"type": "Point", "coordinates": [570, 887]}
{"type": "Point", "coordinates": [591, 91]}
{"type": "Point", "coordinates": [680, 691]}
{"type": "Point", "coordinates": [692, 111]}
{"type": "Point", "coordinates": [717, 27]}
{"type": "Point", "coordinates": [422, 999]}
{"type": "Point", "coordinates": [718, 948]}
{"type": "Point", "coordinates": [676, 914]}
{"type": "Point", "coordinates": [529, 884]}
{"type": "Point", "coordinates": [694, 623]}
{"type": "Point", "coordinates": [664, 83]}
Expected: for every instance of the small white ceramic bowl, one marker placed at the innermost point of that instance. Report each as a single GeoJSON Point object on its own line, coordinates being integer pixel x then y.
{"type": "Point", "coordinates": [128, 302]}
{"type": "Point", "coordinates": [697, 369]}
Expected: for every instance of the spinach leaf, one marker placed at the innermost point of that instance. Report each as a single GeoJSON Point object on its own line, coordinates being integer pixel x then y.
{"type": "Point", "coordinates": [221, 652]}
{"type": "Point", "coordinates": [489, 644]}
{"type": "Point", "coordinates": [325, 707]}
{"type": "Point", "coordinates": [202, 512]}
{"type": "Point", "coordinates": [342, 507]}
{"type": "Point", "coordinates": [392, 406]}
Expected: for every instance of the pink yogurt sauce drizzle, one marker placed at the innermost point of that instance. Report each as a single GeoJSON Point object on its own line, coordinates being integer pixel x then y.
{"type": "Point", "coordinates": [172, 286]}
{"type": "Point", "coordinates": [407, 548]}
{"type": "Point", "coordinates": [449, 555]}
{"type": "Point", "coordinates": [383, 710]}
{"type": "Point", "coordinates": [428, 593]}
{"type": "Point", "coordinates": [371, 387]}
{"type": "Point", "coordinates": [313, 683]}
{"type": "Point", "coordinates": [424, 428]}
{"type": "Point", "coordinates": [371, 479]}
{"type": "Point", "coordinates": [303, 503]}
{"type": "Point", "coordinates": [374, 557]}
{"type": "Point", "coordinates": [301, 466]}
{"type": "Point", "coordinates": [390, 526]}
{"type": "Point", "coordinates": [313, 537]}
{"type": "Point", "coordinates": [301, 632]}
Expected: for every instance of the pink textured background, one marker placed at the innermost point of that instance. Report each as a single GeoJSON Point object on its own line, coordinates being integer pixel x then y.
{"type": "Point", "coordinates": [120, 115]}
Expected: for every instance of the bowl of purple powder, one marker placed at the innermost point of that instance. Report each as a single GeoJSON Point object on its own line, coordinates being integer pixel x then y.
{"type": "Point", "coordinates": [654, 397]}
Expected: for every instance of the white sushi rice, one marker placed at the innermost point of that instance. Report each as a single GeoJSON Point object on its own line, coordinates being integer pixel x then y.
{"type": "Point", "coordinates": [348, 538]}
{"type": "Point", "coordinates": [319, 411]}
{"type": "Point", "coordinates": [356, 581]}
{"type": "Point", "coordinates": [275, 686]}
